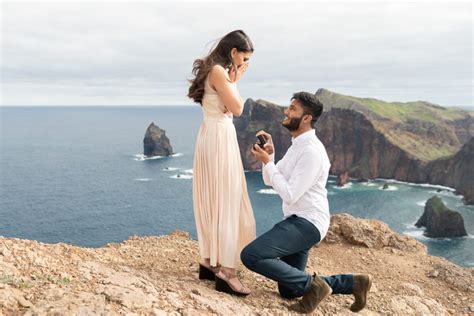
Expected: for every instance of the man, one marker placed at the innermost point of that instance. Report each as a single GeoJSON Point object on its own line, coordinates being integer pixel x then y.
{"type": "Point", "coordinates": [300, 179]}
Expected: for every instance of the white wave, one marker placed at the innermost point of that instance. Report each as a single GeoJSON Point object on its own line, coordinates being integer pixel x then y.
{"type": "Point", "coordinates": [182, 176]}
{"type": "Point", "coordinates": [267, 191]}
{"type": "Point", "coordinates": [425, 185]}
{"type": "Point", "coordinates": [390, 188]}
{"type": "Point", "coordinates": [188, 171]}
{"type": "Point", "coordinates": [170, 169]}
{"type": "Point", "coordinates": [417, 234]}
{"type": "Point", "coordinates": [348, 185]}
{"type": "Point", "coordinates": [142, 179]}
{"type": "Point", "coordinates": [369, 184]}
{"type": "Point", "coordinates": [412, 225]}
{"type": "Point", "coordinates": [331, 193]}
{"type": "Point", "coordinates": [176, 155]}
{"type": "Point", "coordinates": [142, 157]}
{"type": "Point", "coordinates": [421, 203]}
{"type": "Point", "coordinates": [446, 193]}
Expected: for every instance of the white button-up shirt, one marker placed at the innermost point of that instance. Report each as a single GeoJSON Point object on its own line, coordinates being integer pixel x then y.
{"type": "Point", "coordinates": [300, 179]}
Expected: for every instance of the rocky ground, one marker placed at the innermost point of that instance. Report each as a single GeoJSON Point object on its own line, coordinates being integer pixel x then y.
{"type": "Point", "coordinates": [158, 275]}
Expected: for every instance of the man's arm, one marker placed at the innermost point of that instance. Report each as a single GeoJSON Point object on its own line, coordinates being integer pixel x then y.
{"type": "Point", "coordinates": [307, 169]}
{"type": "Point", "coordinates": [266, 179]}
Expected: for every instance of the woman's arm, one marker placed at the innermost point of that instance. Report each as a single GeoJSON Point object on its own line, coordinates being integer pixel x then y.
{"type": "Point", "coordinates": [227, 91]}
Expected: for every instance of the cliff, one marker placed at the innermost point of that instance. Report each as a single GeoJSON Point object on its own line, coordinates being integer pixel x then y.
{"type": "Point", "coordinates": [414, 142]}
{"type": "Point", "coordinates": [158, 276]}
{"type": "Point", "coordinates": [456, 171]}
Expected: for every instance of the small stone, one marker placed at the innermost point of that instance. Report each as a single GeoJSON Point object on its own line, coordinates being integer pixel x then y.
{"type": "Point", "coordinates": [24, 303]}
{"type": "Point", "coordinates": [471, 308]}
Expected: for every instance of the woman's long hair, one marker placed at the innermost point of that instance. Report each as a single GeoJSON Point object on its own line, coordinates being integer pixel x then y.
{"type": "Point", "coordinates": [220, 55]}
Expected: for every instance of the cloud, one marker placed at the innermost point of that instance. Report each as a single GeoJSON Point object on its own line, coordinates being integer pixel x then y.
{"type": "Point", "coordinates": [107, 53]}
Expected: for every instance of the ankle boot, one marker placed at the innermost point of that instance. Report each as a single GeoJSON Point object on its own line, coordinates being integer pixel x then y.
{"type": "Point", "coordinates": [361, 286]}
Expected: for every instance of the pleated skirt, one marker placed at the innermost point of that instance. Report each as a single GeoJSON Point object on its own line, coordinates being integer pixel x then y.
{"type": "Point", "coordinates": [224, 217]}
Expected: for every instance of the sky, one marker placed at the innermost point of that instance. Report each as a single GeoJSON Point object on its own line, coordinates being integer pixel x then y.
{"type": "Point", "coordinates": [141, 53]}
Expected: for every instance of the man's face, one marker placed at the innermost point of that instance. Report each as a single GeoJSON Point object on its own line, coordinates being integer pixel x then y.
{"type": "Point", "coordinates": [293, 115]}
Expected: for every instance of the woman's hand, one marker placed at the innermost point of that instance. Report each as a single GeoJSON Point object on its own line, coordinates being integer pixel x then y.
{"type": "Point", "coordinates": [268, 147]}
{"type": "Point", "coordinates": [235, 76]}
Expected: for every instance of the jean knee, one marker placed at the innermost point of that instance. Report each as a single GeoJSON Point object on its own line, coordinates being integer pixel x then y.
{"type": "Point", "coordinates": [247, 257]}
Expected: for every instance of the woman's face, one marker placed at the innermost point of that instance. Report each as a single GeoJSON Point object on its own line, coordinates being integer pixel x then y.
{"type": "Point", "coordinates": [239, 58]}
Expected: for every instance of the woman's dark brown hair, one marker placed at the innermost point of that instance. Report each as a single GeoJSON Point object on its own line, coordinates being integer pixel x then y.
{"type": "Point", "coordinates": [220, 55]}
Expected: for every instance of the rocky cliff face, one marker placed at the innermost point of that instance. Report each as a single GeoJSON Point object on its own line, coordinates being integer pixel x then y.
{"type": "Point", "coordinates": [441, 221]}
{"type": "Point", "coordinates": [155, 142]}
{"type": "Point", "coordinates": [158, 276]}
{"type": "Point", "coordinates": [353, 144]}
{"type": "Point", "coordinates": [260, 115]}
{"type": "Point", "coordinates": [456, 171]}
{"type": "Point", "coordinates": [361, 142]}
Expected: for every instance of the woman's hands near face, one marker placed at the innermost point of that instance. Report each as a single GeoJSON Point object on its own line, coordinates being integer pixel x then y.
{"type": "Point", "coordinates": [236, 75]}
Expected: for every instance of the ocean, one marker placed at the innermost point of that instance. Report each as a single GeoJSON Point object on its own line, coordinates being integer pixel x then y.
{"type": "Point", "coordinates": [77, 175]}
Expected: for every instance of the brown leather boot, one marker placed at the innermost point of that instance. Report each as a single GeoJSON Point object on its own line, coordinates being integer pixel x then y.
{"type": "Point", "coordinates": [362, 284]}
{"type": "Point", "coordinates": [318, 292]}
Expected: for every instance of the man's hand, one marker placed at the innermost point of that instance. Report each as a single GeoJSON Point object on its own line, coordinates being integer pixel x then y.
{"type": "Point", "coordinates": [260, 154]}
{"type": "Point", "coordinates": [268, 147]}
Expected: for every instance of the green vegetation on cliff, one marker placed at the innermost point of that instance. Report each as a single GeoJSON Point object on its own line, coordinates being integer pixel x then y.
{"type": "Point", "coordinates": [426, 131]}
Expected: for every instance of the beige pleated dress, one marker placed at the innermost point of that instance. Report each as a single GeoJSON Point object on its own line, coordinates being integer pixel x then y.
{"type": "Point", "coordinates": [224, 217]}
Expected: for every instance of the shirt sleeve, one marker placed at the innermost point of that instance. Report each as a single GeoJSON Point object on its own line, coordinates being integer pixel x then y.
{"type": "Point", "coordinates": [266, 180]}
{"type": "Point", "coordinates": [307, 169]}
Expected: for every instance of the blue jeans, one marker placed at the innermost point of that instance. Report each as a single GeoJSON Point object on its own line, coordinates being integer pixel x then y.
{"type": "Point", "coordinates": [281, 254]}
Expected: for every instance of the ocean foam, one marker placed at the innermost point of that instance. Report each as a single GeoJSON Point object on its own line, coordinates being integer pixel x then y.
{"type": "Point", "coordinates": [142, 157]}
{"type": "Point", "coordinates": [421, 203]}
{"type": "Point", "coordinates": [170, 169]}
{"type": "Point", "coordinates": [390, 188]}
{"type": "Point", "coordinates": [267, 191]}
{"type": "Point", "coordinates": [182, 176]}
{"type": "Point", "coordinates": [348, 185]}
{"type": "Point", "coordinates": [369, 184]}
{"type": "Point", "coordinates": [424, 185]}
{"type": "Point", "coordinates": [142, 179]}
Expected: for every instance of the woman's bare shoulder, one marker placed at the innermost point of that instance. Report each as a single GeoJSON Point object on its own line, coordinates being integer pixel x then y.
{"type": "Point", "coordinates": [218, 73]}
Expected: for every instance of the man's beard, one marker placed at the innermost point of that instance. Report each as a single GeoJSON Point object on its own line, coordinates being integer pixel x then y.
{"type": "Point", "coordinates": [294, 123]}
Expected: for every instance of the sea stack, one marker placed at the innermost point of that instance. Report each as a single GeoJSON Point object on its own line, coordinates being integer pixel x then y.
{"type": "Point", "coordinates": [441, 221]}
{"type": "Point", "coordinates": [155, 142]}
{"type": "Point", "coordinates": [343, 179]}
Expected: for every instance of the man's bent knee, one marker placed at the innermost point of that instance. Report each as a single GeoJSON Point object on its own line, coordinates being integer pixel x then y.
{"type": "Point", "coordinates": [248, 257]}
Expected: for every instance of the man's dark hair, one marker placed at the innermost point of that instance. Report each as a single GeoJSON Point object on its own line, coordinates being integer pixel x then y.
{"type": "Point", "coordinates": [311, 105]}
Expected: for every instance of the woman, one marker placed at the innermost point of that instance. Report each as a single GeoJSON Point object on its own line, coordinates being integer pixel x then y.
{"type": "Point", "coordinates": [222, 210]}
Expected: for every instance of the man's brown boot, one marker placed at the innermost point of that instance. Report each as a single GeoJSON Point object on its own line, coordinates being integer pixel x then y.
{"type": "Point", "coordinates": [318, 292]}
{"type": "Point", "coordinates": [362, 284]}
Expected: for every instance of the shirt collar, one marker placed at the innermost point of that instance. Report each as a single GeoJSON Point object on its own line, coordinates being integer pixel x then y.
{"type": "Point", "coordinates": [301, 138]}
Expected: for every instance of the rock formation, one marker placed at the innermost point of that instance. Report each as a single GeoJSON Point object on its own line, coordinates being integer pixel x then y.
{"type": "Point", "coordinates": [415, 142]}
{"type": "Point", "coordinates": [155, 142]}
{"type": "Point", "coordinates": [158, 276]}
{"type": "Point", "coordinates": [456, 171]}
{"type": "Point", "coordinates": [441, 221]}
{"type": "Point", "coordinates": [342, 179]}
